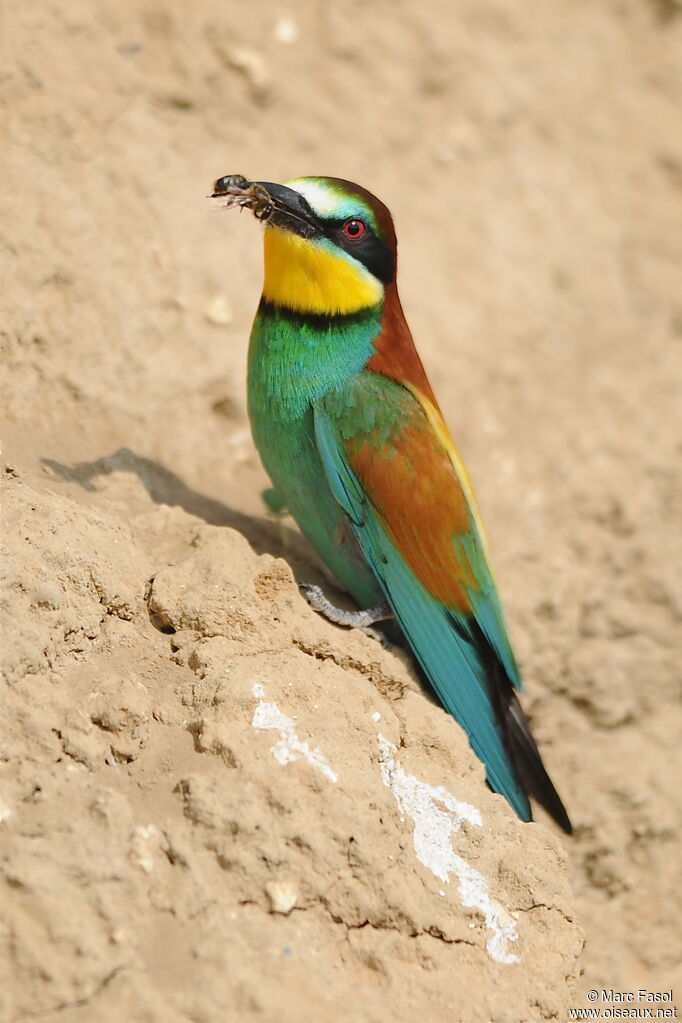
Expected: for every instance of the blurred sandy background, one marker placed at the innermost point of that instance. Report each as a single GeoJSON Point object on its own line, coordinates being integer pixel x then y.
{"type": "Point", "coordinates": [532, 158]}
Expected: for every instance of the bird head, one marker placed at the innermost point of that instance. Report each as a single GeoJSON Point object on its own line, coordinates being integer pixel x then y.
{"type": "Point", "coordinates": [329, 245]}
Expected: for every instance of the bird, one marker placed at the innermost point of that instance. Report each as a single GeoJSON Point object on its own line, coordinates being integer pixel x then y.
{"type": "Point", "coordinates": [349, 430]}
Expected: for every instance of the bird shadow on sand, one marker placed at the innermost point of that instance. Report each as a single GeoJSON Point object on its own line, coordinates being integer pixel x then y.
{"type": "Point", "coordinates": [266, 535]}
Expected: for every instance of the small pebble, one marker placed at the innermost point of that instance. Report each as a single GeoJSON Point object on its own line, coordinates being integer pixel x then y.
{"type": "Point", "coordinates": [286, 31]}
{"type": "Point", "coordinates": [282, 895]}
{"type": "Point", "coordinates": [218, 311]}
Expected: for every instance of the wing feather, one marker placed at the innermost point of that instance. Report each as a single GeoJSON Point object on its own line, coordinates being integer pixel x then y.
{"type": "Point", "coordinates": [394, 469]}
{"type": "Point", "coordinates": [406, 552]}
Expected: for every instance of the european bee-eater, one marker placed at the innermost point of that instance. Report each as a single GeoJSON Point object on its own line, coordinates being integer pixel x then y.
{"type": "Point", "coordinates": [350, 432]}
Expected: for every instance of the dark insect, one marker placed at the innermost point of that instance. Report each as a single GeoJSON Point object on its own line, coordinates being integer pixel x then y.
{"type": "Point", "coordinates": [245, 194]}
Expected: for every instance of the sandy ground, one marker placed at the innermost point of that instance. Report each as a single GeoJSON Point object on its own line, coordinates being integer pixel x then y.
{"type": "Point", "coordinates": [202, 816]}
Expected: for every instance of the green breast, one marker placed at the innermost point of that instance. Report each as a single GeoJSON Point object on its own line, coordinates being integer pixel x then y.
{"type": "Point", "coordinates": [293, 362]}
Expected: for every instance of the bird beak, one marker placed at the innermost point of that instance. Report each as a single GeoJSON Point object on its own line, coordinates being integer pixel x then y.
{"type": "Point", "coordinates": [275, 204]}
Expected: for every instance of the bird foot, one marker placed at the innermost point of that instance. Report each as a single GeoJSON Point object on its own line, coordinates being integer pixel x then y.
{"type": "Point", "coordinates": [352, 619]}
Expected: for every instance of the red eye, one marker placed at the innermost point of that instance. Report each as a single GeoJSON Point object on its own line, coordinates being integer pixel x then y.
{"type": "Point", "coordinates": [354, 229]}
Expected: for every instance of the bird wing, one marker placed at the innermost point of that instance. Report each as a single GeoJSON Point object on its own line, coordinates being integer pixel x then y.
{"type": "Point", "coordinates": [415, 520]}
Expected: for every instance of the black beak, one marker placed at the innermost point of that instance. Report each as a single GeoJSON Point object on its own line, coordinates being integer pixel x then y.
{"type": "Point", "coordinates": [276, 204]}
{"type": "Point", "coordinates": [290, 210]}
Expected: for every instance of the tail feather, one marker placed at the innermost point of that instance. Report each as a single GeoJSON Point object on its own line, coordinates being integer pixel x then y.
{"type": "Point", "coordinates": [523, 752]}
{"type": "Point", "coordinates": [530, 766]}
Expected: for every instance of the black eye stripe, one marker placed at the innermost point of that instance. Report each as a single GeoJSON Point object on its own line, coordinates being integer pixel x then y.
{"type": "Point", "coordinates": [369, 249]}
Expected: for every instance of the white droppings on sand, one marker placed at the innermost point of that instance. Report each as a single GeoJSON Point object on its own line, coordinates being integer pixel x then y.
{"type": "Point", "coordinates": [289, 747]}
{"type": "Point", "coordinates": [437, 814]}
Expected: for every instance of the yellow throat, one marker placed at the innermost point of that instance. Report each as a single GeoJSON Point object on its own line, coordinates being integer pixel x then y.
{"type": "Point", "coordinates": [307, 277]}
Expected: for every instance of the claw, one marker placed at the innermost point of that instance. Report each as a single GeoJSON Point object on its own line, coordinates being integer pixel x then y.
{"type": "Point", "coordinates": [361, 619]}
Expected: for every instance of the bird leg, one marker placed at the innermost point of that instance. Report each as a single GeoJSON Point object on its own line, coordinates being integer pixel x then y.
{"type": "Point", "coordinates": [353, 619]}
